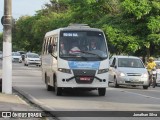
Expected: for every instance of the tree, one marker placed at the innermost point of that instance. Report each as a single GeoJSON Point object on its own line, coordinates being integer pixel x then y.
{"type": "Point", "coordinates": [131, 26]}
{"type": "Point", "coordinates": [146, 14]}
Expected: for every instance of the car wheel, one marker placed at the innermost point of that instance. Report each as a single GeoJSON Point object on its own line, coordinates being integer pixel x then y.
{"type": "Point", "coordinates": [145, 87]}
{"type": "Point", "coordinates": [154, 83]}
{"type": "Point", "coordinates": [115, 83]}
{"type": "Point", "coordinates": [101, 91]}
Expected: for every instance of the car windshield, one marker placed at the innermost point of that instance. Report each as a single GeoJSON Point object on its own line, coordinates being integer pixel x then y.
{"type": "Point", "coordinates": [16, 54]}
{"type": "Point", "coordinates": [33, 56]}
{"type": "Point", "coordinates": [130, 62]}
{"type": "Point", "coordinates": [80, 45]}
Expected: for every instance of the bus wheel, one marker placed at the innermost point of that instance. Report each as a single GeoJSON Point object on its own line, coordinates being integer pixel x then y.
{"type": "Point", "coordinates": [49, 88]}
{"type": "Point", "coordinates": [101, 91]}
{"type": "Point", "coordinates": [58, 90]}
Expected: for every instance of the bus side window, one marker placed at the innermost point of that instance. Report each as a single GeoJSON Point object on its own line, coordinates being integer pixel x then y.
{"type": "Point", "coordinates": [50, 48]}
{"type": "Point", "coordinates": [43, 49]}
{"type": "Point", "coordinates": [55, 45]}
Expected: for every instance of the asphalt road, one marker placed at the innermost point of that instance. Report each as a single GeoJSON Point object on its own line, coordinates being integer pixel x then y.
{"type": "Point", "coordinates": [28, 79]}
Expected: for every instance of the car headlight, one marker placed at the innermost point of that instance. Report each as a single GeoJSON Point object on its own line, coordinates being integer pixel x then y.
{"type": "Point", "coordinates": [122, 74]}
{"type": "Point", "coordinates": [103, 71]}
{"type": "Point", "coordinates": [64, 70]}
{"type": "Point", "coordinates": [144, 75]}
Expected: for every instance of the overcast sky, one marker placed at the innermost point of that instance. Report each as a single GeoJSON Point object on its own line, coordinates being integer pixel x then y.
{"type": "Point", "coordinates": [22, 7]}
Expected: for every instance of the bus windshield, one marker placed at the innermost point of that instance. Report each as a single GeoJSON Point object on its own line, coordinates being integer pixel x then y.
{"type": "Point", "coordinates": [82, 45]}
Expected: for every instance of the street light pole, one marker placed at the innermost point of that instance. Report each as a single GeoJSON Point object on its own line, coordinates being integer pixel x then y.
{"type": "Point", "coordinates": [7, 48]}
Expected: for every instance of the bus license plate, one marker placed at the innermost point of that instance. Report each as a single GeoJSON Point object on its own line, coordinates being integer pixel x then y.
{"type": "Point", "coordinates": [85, 78]}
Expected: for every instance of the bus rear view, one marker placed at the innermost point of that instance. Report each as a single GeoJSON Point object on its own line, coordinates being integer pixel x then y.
{"type": "Point", "coordinates": [80, 61]}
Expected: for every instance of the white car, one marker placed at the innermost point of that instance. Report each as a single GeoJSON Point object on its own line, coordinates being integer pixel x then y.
{"type": "Point", "coordinates": [16, 57]}
{"type": "Point", "coordinates": [1, 55]}
{"type": "Point", "coordinates": [128, 70]}
{"type": "Point", "coordinates": [158, 72]}
{"type": "Point", "coordinates": [32, 59]}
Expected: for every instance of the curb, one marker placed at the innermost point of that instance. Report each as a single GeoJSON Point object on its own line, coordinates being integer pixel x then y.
{"type": "Point", "coordinates": [35, 102]}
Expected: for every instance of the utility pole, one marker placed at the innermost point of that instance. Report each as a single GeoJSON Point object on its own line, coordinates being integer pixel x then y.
{"type": "Point", "coordinates": [7, 48]}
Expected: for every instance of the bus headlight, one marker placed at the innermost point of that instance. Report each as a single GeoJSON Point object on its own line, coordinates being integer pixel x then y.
{"type": "Point", "coordinates": [64, 70]}
{"type": "Point", "coordinates": [103, 71]}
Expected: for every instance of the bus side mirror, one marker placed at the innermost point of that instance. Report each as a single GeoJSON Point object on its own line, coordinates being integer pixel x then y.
{"type": "Point", "coordinates": [112, 65]}
{"type": "Point", "coordinates": [50, 48]}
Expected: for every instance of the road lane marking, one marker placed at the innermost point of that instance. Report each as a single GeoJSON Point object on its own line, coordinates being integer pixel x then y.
{"type": "Point", "coordinates": [117, 89]}
{"type": "Point", "coordinates": [111, 88]}
{"type": "Point", "coordinates": [141, 95]}
{"type": "Point", "coordinates": [153, 90]}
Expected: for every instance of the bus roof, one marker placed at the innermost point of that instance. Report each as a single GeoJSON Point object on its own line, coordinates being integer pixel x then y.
{"type": "Point", "coordinates": [76, 27]}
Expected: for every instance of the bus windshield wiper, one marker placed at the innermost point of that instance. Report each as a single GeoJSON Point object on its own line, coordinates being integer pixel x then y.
{"type": "Point", "coordinates": [92, 54]}
{"type": "Point", "coordinates": [71, 55]}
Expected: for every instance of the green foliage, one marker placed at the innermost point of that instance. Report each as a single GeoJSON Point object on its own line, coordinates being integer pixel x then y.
{"type": "Point", "coordinates": [23, 33]}
{"type": "Point", "coordinates": [138, 8]}
{"type": "Point", "coordinates": [131, 26]}
{"type": "Point", "coordinates": [156, 6]}
{"type": "Point", "coordinates": [154, 24]}
{"type": "Point", "coordinates": [119, 39]}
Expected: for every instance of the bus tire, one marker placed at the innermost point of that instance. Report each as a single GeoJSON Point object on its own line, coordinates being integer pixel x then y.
{"type": "Point", "coordinates": [58, 90]}
{"type": "Point", "coordinates": [49, 88]}
{"type": "Point", "coordinates": [101, 91]}
{"type": "Point", "coordinates": [54, 80]}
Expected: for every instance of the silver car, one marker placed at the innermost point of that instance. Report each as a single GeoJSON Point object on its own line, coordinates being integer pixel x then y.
{"type": "Point", "coordinates": [1, 55]}
{"type": "Point", "coordinates": [158, 72]}
{"type": "Point", "coordinates": [128, 70]}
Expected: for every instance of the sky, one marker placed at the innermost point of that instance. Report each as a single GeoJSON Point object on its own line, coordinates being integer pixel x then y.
{"type": "Point", "coordinates": [22, 7]}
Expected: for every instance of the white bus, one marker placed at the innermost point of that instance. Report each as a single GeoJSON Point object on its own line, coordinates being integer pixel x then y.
{"type": "Point", "coordinates": [69, 61]}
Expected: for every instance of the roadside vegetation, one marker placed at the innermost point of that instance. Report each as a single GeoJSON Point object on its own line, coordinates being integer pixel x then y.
{"type": "Point", "coordinates": [131, 26]}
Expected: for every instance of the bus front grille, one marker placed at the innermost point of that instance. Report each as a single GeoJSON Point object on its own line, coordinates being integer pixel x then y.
{"type": "Point", "coordinates": [84, 76]}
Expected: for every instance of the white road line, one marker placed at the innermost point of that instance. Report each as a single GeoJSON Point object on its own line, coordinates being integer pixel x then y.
{"type": "Point", "coordinates": [142, 95]}
{"type": "Point", "coordinates": [154, 90]}
{"type": "Point", "coordinates": [134, 93]}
